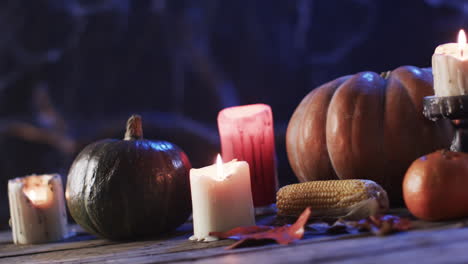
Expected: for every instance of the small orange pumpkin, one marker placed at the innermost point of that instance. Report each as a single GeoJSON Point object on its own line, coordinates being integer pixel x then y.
{"type": "Point", "coordinates": [365, 126]}
{"type": "Point", "coordinates": [434, 187]}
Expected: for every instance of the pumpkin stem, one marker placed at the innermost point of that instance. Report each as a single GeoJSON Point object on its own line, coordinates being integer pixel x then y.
{"type": "Point", "coordinates": [444, 153]}
{"type": "Point", "coordinates": [134, 128]}
{"type": "Point", "coordinates": [386, 74]}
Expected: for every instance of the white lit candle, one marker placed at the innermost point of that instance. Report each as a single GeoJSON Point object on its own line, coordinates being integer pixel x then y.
{"type": "Point", "coordinates": [450, 68]}
{"type": "Point", "coordinates": [221, 198]}
{"type": "Point", "coordinates": [37, 209]}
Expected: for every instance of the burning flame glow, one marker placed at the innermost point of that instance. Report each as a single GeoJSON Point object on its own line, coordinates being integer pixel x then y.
{"type": "Point", "coordinates": [38, 195]}
{"type": "Point", "coordinates": [461, 41]}
{"type": "Point", "coordinates": [219, 168]}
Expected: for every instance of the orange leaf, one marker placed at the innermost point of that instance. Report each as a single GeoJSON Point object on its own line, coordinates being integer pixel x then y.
{"type": "Point", "coordinates": [263, 234]}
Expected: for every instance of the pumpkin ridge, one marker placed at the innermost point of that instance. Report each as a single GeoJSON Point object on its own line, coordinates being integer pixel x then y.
{"type": "Point", "coordinates": [390, 130]}
{"type": "Point", "coordinates": [347, 118]}
{"type": "Point", "coordinates": [131, 149]}
{"type": "Point", "coordinates": [117, 213]}
{"type": "Point", "coordinates": [423, 135]}
{"type": "Point", "coordinates": [407, 75]}
{"type": "Point", "coordinates": [166, 196]}
{"type": "Point", "coordinates": [301, 134]}
{"type": "Point", "coordinates": [340, 82]}
{"type": "Point", "coordinates": [91, 197]}
{"type": "Point", "coordinates": [381, 95]}
{"type": "Point", "coordinates": [385, 81]}
{"type": "Point", "coordinates": [305, 129]}
{"type": "Point", "coordinates": [72, 200]}
{"type": "Point", "coordinates": [327, 122]}
{"type": "Point", "coordinates": [396, 95]}
{"type": "Point", "coordinates": [84, 192]}
{"type": "Point", "coordinates": [84, 202]}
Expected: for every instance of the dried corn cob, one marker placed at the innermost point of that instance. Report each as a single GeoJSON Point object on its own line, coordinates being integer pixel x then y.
{"type": "Point", "coordinates": [350, 199]}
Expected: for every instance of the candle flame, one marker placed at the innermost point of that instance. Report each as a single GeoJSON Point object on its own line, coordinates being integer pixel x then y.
{"type": "Point", "coordinates": [461, 41]}
{"type": "Point", "coordinates": [219, 168]}
{"type": "Point", "coordinates": [37, 196]}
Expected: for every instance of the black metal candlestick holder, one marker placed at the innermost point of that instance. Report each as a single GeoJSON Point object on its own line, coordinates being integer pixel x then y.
{"type": "Point", "coordinates": [454, 108]}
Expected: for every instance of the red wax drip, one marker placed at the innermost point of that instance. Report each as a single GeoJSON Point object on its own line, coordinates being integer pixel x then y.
{"type": "Point", "coordinates": [247, 134]}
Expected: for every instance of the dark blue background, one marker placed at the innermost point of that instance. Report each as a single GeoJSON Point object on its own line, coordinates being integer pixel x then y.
{"type": "Point", "coordinates": [72, 71]}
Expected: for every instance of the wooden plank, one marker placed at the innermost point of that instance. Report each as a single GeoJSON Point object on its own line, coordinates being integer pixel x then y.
{"type": "Point", "coordinates": [178, 248]}
{"type": "Point", "coordinates": [84, 240]}
{"type": "Point", "coordinates": [115, 251]}
{"type": "Point", "coordinates": [441, 253]}
{"type": "Point", "coordinates": [435, 246]}
{"type": "Point", "coordinates": [341, 247]}
{"type": "Point", "coordinates": [79, 240]}
{"type": "Point", "coordinates": [101, 249]}
{"type": "Point", "coordinates": [5, 238]}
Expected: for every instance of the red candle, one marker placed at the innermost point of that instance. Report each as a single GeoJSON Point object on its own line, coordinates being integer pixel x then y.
{"type": "Point", "coordinates": [247, 134]}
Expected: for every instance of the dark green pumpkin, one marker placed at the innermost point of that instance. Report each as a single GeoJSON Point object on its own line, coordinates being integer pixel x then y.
{"type": "Point", "coordinates": [131, 188]}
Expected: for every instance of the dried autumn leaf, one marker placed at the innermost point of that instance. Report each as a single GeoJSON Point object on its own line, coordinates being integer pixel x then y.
{"type": "Point", "coordinates": [282, 235]}
{"type": "Point", "coordinates": [384, 225]}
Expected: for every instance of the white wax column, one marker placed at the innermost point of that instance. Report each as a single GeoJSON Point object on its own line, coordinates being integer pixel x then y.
{"type": "Point", "coordinates": [37, 209]}
{"type": "Point", "coordinates": [221, 204]}
{"type": "Point", "coordinates": [450, 70]}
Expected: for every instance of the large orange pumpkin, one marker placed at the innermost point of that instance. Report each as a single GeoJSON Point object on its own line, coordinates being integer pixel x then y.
{"type": "Point", "coordinates": [365, 126]}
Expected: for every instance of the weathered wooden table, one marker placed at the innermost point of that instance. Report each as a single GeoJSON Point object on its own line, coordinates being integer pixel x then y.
{"type": "Point", "coordinates": [442, 242]}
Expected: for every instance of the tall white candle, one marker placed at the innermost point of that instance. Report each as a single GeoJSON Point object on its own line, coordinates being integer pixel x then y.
{"type": "Point", "coordinates": [37, 209]}
{"type": "Point", "coordinates": [450, 68]}
{"type": "Point", "coordinates": [221, 198]}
